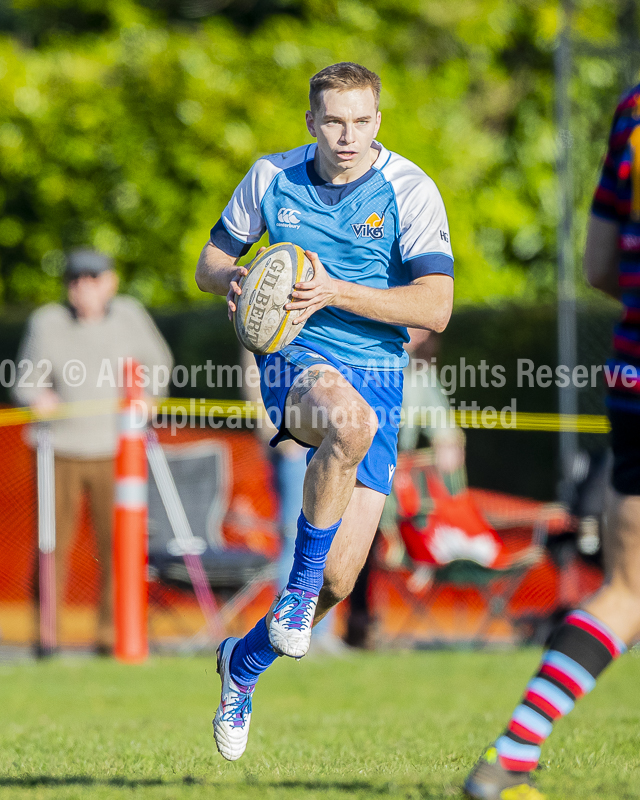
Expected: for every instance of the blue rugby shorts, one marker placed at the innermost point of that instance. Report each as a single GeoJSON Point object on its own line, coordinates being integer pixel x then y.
{"type": "Point", "coordinates": [382, 390]}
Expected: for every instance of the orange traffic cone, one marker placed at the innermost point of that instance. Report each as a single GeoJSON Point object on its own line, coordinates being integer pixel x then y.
{"type": "Point", "coordinates": [130, 551]}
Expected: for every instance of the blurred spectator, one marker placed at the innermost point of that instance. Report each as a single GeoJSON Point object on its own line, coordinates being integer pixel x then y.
{"type": "Point", "coordinates": [73, 353]}
{"type": "Point", "coordinates": [422, 391]}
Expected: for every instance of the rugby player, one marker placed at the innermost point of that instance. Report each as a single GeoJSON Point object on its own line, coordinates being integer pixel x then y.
{"type": "Point", "coordinates": [375, 228]}
{"type": "Point", "coordinates": [590, 638]}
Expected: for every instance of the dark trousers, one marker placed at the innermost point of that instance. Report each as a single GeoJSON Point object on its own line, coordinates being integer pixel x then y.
{"type": "Point", "coordinates": [73, 478]}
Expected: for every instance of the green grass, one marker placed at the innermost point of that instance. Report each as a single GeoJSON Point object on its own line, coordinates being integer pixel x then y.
{"type": "Point", "coordinates": [406, 725]}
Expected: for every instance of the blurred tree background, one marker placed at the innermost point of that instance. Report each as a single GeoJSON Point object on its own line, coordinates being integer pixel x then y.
{"type": "Point", "coordinates": [126, 125]}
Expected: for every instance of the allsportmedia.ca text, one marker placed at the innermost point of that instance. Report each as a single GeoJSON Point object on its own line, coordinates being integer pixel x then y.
{"type": "Point", "coordinates": [421, 373]}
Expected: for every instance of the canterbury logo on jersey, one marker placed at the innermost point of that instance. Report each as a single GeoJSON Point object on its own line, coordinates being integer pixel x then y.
{"type": "Point", "coordinates": [372, 228]}
{"type": "Point", "coordinates": [288, 218]}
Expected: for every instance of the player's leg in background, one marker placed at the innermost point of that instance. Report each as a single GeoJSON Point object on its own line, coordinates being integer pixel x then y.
{"type": "Point", "coordinates": [68, 491]}
{"type": "Point", "coordinates": [101, 487]}
{"type": "Point", "coordinates": [583, 646]}
{"type": "Point", "coordinates": [617, 604]}
{"type": "Point", "coordinates": [290, 464]}
{"type": "Point", "coordinates": [361, 617]}
{"type": "Point", "coordinates": [587, 641]}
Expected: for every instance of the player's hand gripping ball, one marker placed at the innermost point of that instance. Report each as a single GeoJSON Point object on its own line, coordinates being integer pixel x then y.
{"type": "Point", "coordinates": [262, 324]}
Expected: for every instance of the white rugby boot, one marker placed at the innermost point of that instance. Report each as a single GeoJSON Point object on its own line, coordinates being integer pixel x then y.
{"type": "Point", "coordinates": [233, 717]}
{"type": "Point", "coordinates": [292, 621]}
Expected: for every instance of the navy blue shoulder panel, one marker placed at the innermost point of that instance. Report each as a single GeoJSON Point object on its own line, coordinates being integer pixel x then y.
{"type": "Point", "coordinates": [226, 242]}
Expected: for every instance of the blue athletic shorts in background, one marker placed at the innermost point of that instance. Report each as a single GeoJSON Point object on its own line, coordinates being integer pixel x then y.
{"type": "Point", "coordinates": [382, 390]}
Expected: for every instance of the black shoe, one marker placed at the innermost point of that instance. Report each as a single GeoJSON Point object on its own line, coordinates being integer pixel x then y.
{"type": "Point", "coordinates": [490, 781]}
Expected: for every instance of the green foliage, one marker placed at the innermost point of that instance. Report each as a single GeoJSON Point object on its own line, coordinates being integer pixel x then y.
{"type": "Point", "coordinates": [130, 130]}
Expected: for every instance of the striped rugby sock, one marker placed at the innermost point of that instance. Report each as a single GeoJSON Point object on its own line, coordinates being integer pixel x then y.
{"type": "Point", "coordinates": [580, 650]}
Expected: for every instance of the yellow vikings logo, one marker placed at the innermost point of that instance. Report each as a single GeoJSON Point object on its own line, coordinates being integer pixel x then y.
{"type": "Point", "coordinates": [372, 228]}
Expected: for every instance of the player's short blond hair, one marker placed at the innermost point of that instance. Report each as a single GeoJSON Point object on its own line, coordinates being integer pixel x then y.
{"type": "Point", "coordinates": [342, 77]}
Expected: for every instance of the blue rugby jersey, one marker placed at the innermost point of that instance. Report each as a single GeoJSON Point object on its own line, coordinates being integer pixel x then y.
{"type": "Point", "coordinates": [383, 230]}
{"type": "Point", "coordinates": [617, 198]}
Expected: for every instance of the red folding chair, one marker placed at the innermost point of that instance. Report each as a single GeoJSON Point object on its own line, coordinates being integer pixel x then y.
{"type": "Point", "coordinates": [450, 545]}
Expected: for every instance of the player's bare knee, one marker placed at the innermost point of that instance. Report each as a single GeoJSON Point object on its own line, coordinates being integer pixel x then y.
{"type": "Point", "coordinates": [353, 430]}
{"type": "Point", "coordinates": [349, 446]}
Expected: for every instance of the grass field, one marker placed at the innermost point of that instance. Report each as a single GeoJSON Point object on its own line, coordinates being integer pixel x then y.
{"type": "Point", "coordinates": [406, 725]}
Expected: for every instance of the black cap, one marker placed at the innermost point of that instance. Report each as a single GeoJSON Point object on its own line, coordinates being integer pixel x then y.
{"type": "Point", "coordinates": [86, 262]}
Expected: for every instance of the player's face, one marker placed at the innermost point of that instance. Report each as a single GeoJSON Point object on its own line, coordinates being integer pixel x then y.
{"type": "Point", "coordinates": [345, 125]}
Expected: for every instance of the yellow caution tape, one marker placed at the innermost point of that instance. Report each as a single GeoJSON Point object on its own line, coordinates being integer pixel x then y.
{"type": "Point", "coordinates": [85, 408]}
{"type": "Point", "coordinates": [525, 421]}
{"type": "Point", "coordinates": [246, 409]}
{"type": "Point", "coordinates": [243, 409]}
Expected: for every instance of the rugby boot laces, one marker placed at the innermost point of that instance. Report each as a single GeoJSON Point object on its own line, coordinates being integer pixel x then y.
{"type": "Point", "coordinates": [233, 717]}
{"type": "Point", "coordinates": [488, 780]}
{"type": "Point", "coordinates": [292, 621]}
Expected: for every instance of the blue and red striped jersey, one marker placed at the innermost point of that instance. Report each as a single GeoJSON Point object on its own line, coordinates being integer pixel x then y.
{"type": "Point", "coordinates": [617, 198]}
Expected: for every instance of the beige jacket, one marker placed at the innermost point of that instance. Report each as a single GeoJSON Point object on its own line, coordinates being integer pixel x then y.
{"type": "Point", "coordinates": [58, 349]}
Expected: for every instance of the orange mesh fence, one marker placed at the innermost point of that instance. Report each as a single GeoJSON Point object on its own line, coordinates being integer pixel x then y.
{"type": "Point", "coordinates": [173, 612]}
{"type": "Point", "coordinates": [18, 516]}
{"type": "Point", "coordinates": [251, 522]}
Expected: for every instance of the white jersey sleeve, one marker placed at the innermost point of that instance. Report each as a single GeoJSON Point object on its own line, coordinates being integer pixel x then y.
{"type": "Point", "coordinates": [243, 217]}
{"type": "Point", "coordinates": [423, 228]}
{"type": "Point", "coordinates": [241, 223]}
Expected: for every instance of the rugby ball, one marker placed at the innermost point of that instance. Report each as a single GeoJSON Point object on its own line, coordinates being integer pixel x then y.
{"type": "Point", "coordinates": [260, 320]}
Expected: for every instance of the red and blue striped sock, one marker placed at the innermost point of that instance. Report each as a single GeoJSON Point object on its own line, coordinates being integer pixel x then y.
{"type": "Point", "coordinates": [580, 650]}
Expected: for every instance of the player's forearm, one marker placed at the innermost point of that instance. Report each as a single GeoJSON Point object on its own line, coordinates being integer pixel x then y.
{"type": "Point", "coordinates": [420, 305]}
{"type": "Point", "coordinates": [215, 270]}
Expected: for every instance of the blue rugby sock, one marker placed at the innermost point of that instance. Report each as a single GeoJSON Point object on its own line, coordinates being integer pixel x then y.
{"type": "Point", "coordinates": [252, 655]}
{"type": "Point", "coordinates": [310, 557]}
